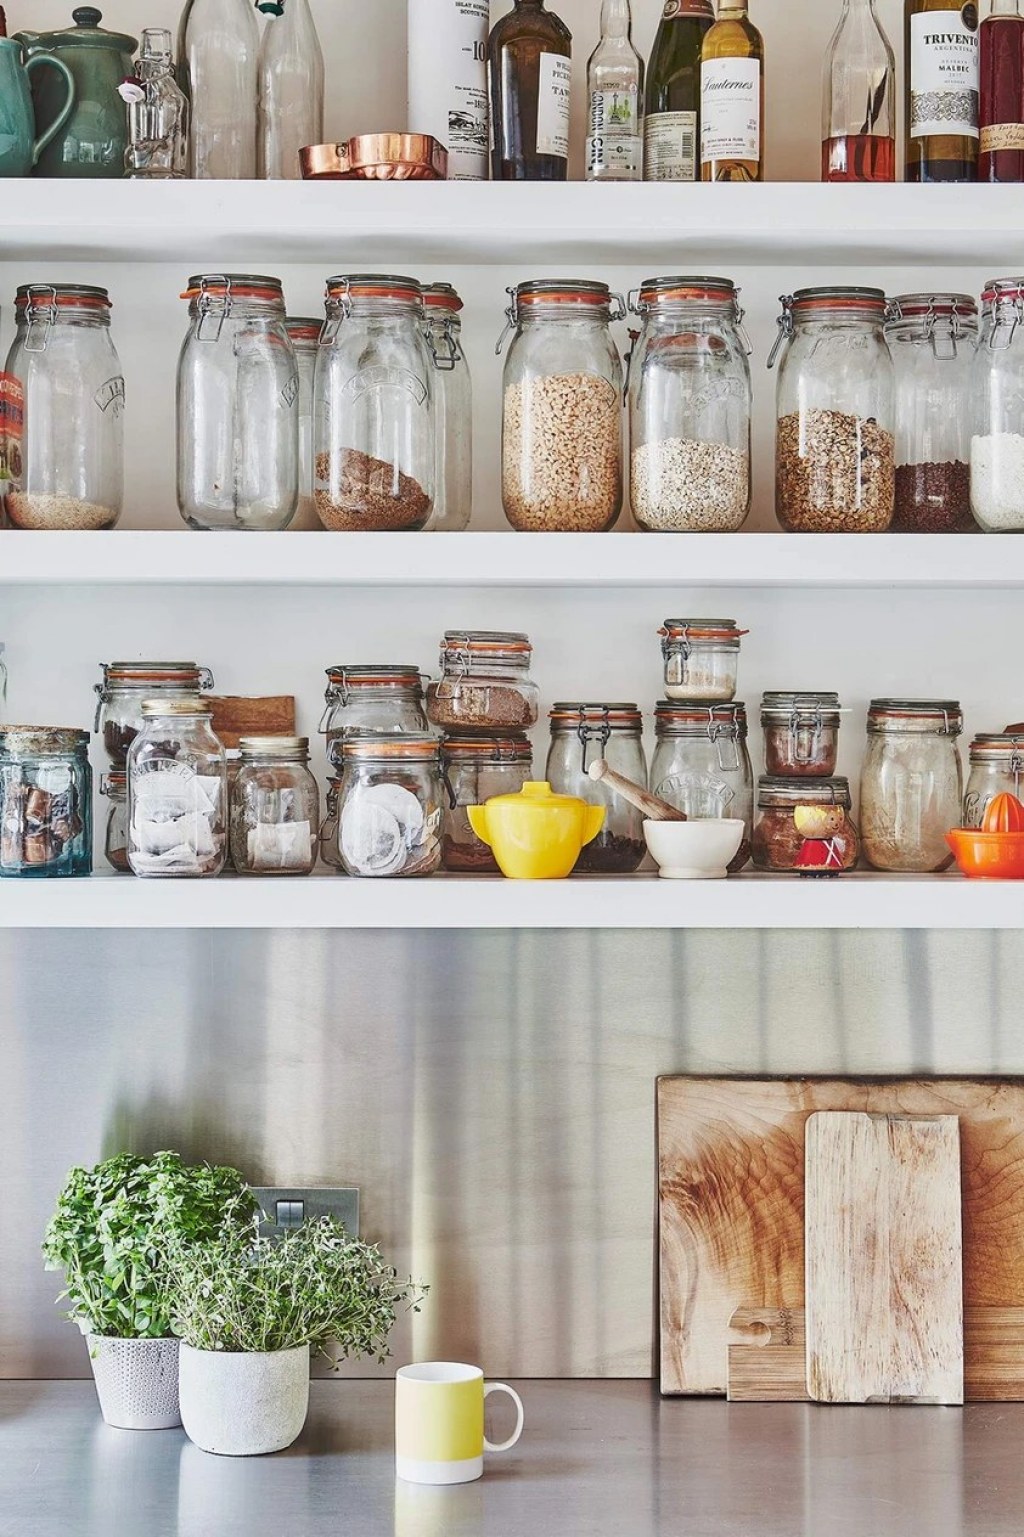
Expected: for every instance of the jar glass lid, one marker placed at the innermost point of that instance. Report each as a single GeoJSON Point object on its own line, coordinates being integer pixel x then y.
{"type": "Point", "coordinates": [486, 642]}
{"type": "Point", "coordinates": [834, 791]}
{"type": "Point", "coordinates": [697, 290]}
{"type": "Point", "coordinates": [234, 285]}
{"type": "Point", "coordinates": [25, 741]}
{"type": "Point", "coordinates": [419, 749]}
{"type": "Point", "coordinates": [179, 706]}
{"type": "Point", "coordinates": [67, 295]}
{"type": "Point", "coordinates": [552, 290]}
{"type": "Point", "coordinates": [782, 704]}
{"type": "Point", "coordinates": [377, 675]}
{"type": "Point", "coordinates": [441, 296]}
{"type": "Point", "coordinates": [889, 714]}
{"type": "Point", "coordinates": [674, 718]}
{"type": "Point", "coordinates": [569, 715]}
{"type": "Point", "coordinates": [374, 285]}
{"type": "Point", "coordinates": [514, 748]}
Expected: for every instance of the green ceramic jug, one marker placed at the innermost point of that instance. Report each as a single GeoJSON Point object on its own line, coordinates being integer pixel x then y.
{"type": "Point", "coordinates": [19, 146]}
{"type": "Point", "coordinates": [92, 141]}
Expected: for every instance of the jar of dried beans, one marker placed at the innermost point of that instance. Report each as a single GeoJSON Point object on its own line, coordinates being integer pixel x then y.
{"type": "Point", "coordinates": [835, 398]}
{"type": "Point", "coordinates": [701, 658]}
{"type": "Point", "coordinates": [238, 406]}
{"type": "Point", "coordinates": [580, 735]}
{"type": "Point", "coordinates": [911, 784]}
{"type": "Point", "coordinates": [485, 683]}
{"type": "Point", "coordinates": [689, 407]}
{"type": "Point", "coordinates": [801, 734]}
{"type": "Point", "coordinates": [384, 700]}
{"type": "Point", "coordinates": [63, 401]}
{"type": "Point", "coordinates": [373, 414]}
{"type": "Point", "coordinates": [932, 338]}
{"type": "Point", "coordinates": [45, 801]}
{"type": "Point", "coordinates": [561, 444]}
{"type": "Point", "coordinates": [275, 807]}
{"type": "Point", "coordinates": [126, 684]}
{"type": "Point", "coordinates": [804, 826]}
{"type": "Point", "coordinates": [177, 792]}
{"type": "Point", "coordinates": [996, 768]}
{"type": "Point", "coordinates": [453, 411]}
{"type": "Point", "coordinates": [114, 785]}
{"type": "Point", "coordinates": [997, 446]}
{"type": "Point", "coordinates": [701, 764]}
{"type": "Point", "coordinates": [304, 334]}
{"type": "Point", "coordinates": [475, 769]}
{"type": "Point", "coordinates": [391, 806]}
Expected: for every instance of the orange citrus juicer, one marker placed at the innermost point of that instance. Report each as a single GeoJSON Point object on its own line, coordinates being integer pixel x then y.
{"type": "Point", "coordinates": [995, 851]}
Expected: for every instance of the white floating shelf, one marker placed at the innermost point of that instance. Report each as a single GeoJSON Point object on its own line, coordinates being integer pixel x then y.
{"type": "Point", "coordinates": [447, 902]}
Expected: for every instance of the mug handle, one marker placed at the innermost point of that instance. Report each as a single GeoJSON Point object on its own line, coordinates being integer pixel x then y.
{"type": "Point", "coordinates": [503, 1387]}
{"type": "Point", "coordinates": [37, 61]}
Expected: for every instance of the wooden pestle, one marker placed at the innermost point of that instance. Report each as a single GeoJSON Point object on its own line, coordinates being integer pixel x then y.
{"type": "Point", "coordinates": [652, 806]}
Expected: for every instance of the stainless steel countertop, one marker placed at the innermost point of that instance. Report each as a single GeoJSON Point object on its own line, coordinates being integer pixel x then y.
{"type": "Point", "coordinates": [596, 1458]}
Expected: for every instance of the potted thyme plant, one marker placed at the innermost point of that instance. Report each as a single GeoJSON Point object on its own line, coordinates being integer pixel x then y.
{"type": "Point", "coordinates": [109, 1234]}
{"type": "Point", "coordinates": [248, 1309]}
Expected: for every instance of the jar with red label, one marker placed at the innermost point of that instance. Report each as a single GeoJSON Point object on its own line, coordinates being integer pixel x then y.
{"type": "Point", "coordinates": [804, 827]}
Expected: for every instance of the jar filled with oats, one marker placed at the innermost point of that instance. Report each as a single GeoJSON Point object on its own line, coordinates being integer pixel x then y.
{"type": "Point", "coordinates": [561, 449]}
{"type": "Point", "coordinates": [689, 407]}
{"type": "Point", "coordinates": [835, 443]}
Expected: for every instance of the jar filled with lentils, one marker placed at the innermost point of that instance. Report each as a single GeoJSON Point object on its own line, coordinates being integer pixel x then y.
{"type": "Point", "coordinates": [126, 684]}
{"type": "Point", "coordinates": [561, 449]}
{"type": "Point", "coordinates": [701, 764]}
{"type": "Point", "coordinates": [453, 411]}
{"type": "Point", "coordinates": [580, 735]}
{"type": "Point", "coordinates": [475, 769]}
{"type": "Point", "coordinates": [835, 398]}
{"type": "Point", "coordinates": [391, 806]}
{"type": "Point", "coordinates": [997, 445]}
{"type": "Point", "coordinates": [701, 658]}
{"type": "Point", "coordinates": [804, 827]}
{"type": "Point", "coordinates": [996, 768]}
{"type": "Point", "coordinates": [379, 700]}
{"type": "Point", "coordinates": [801, 734]}
{"type": "Point", "coordinates": [932, 338]}
{"type": "Point", "coordinates": [275, 807]}
{"type": "Point", "coordinates": [911, 784]}
{"type": "Point", "coordinates": [485, 683]}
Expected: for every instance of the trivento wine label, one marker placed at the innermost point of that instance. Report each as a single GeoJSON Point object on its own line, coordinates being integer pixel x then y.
{"type": "Point", "coordinates": [730, 110]}
{"type": "Point", "coordinates": [944, 72]}
{"type": "Point", "coordinates": [670, 146]}
{"type": "Point", "coordinates": [447, 80]}
{"type": "Point", "coordinates": [614, 147]}
{"type": "Point", "coordinates": [553, 91]}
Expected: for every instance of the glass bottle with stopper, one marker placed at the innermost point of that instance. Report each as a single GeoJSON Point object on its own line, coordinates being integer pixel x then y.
{"type": "Point", "coordinates": [615, 88]}
{"type": "Point", "coordinates": [291, 96]}
{"type": "Point", "coordinates": [858, 137]}
{"type": "Point", "coordinates": [157, 113]}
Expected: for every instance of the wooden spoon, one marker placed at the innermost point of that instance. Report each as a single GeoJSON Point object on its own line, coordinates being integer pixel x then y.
{"type": "Point", "coordinates": [652, 806]}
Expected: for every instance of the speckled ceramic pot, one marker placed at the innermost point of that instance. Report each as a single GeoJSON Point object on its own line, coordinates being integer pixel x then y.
{"type": "Point", "coordinates": [136, 1381]}
{"type": "Point", "coordinates": [244, 1405]}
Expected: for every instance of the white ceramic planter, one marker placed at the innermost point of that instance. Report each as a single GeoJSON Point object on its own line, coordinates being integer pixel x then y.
{"type": "Point", "coordinates": [136, 1381]}
{"type": "Point", "coordinates": [244, 1405]}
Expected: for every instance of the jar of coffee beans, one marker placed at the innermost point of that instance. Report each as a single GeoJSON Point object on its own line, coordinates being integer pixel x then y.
{"type": "Point", "coordinates": [485, 683]}
{"type": "Point", "coordinates": [933, 338]}
{"type": "Point", "coordinates": [580, 735]}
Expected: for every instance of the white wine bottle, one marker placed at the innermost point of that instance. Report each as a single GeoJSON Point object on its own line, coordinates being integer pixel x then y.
{"type": "Point", "coordinates": [447, 80]}
{"type": "Point", "coordinates": [732, 97]}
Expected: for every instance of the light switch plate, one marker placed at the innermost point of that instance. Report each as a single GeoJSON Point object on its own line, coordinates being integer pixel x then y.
{"type": "Point", "coordinates": [317, 1201]}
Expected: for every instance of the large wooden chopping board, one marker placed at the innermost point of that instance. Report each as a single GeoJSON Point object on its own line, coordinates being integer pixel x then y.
{"type": "Point", "coordinates": [731, 1199]}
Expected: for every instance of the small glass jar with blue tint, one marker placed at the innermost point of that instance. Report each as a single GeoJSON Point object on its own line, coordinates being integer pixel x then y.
{"type": "Point", "coordinates": [45, 802]}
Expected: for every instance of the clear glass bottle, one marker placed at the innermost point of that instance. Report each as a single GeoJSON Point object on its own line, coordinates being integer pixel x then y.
{"type": "Point", "coordinates": [304, 333]}
{"type": "Point", "coordinates": [391, 807]}
{"type": "Point", "coordinates": [801, 734]}
{"type": "Point", "coordinates": [804, 827]}
{"type": "Point", "coordinates": [911, 784]}
{"type": "Point", "coordinates": [218, 62]}
{"type": "Point", "coordinates": [114, 785]}
{"type": "Point", "coordinates": [997, 446]}
{"type": "Point", "coordinates": [45, 802]}
{"type": "Point", "coordinates": [996, 768]}
{"type": "Point", "coordinates": [672, 118]}
{"type": "Point", "coordinates": [275, 808]}
{"type": "Point", "coordinates": [64, 399]}
{"type": "Point", "coordinates": [702, 658]}
{"type": "Point", "coordinates": [373, 409]}
{"type": "Point", "coordinates": [615, 100]}
{"type": "Point", "coordinates": [485, 683]}
{"type": "Point", "coordinates": [581, 733]}
{"type": "Point", "coordinates": [689, 407]}
{"type": "Point", "coordinates": [291, 90]}
{"type": "Point", "coordinates": [1001, 119]}
{"type": "Point", "coordinates": [238, 415]}
{"type": "Point", "coordinates": [376, 700]}
{"type": "Point", "coordinates": [529, 56]}
{"type": "Point", "coordinates": [835, 399]}
{"type": "Point", "coordinates": [157, 147]}
{"type": "Point", "coordinates": [126, 685]}
{"type": "Point", "coordinates": [701, 764]}
{"type": "Point", "coordinates": [475, 769]}
{"type": "Point", "coordinates": [732, 97]}
{"type": "Point", "coordinates": [453, 411]}
{"type": "Point", "coordinates": [932, 338]}
{"type": "Point", "coordinates": [943, 75]}
{"type": "Point", "coordinates": [561, 444]}
{"type": "Point", "coordinates": [858, 136]}
{"type": "Point", "coordinates": [177, 792]}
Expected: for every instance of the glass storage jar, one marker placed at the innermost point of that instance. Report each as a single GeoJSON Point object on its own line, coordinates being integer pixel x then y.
{"type": "Point", "coordinates": [373, 406]}
{"type": "Point", "coordinates": [561, 429]}
{"type": "Point", "coordinates": [177, 792]}
{"type": "Point", "coordinates": [330, 848]}
{"type": "Point", "coordinates": [453, 411]}
{"type": "Point", "coordinates": [475, 769]}
{"type": "Point", "coordinates": [702, 658]}
{"type": "Point", "coordinates": [126, 684]}
{"type": "Point", "coordinates": [238, 411]}
{"type": "Point", "coordinates": [485, 683]}
{"type": "Point", "coordinates": [391, 806]}
{"type": "Point", "coordinates": [581, 733]}
{"type": "Point", "coordinates": [997, 446]}
{"type": "Point", "coordinates": [45, 801]}
{"type": "Point", "coordinates": [932, 338]}
{"type": "Point", "coordinates": [701, 764]}
{"type": "Point", "coordinates": [63, 411]}
{"type": "Point", "coordinates": [835, 399]}
{"type": "Point", "coordinates": [801, 734]}
{"type": "Point", "coordinates": [275, 807]}
{"type": "Point", "coordinates": [689, 407]}
{"type": "Point", "coordinates": [304, 334]}
{"type": "Point", "coordinates": [996, 768]}
{"type": "Point", "coordinates": [804, 825]}
{"type": "Point", "coordinates": [114, 785]}
{"type": "Point", "coordinates": [382, 700]}
{"type": "Point", "coordinates": [911, 784]}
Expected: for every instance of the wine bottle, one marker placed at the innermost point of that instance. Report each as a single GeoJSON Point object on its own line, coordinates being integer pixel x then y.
{"type": "Point", "coordinates": [1001, 145]}
{"type": "Point", "coordinates": [529, 63]}
{"type": "Point", "coordinates": [943, 69]}
{"type": "Point", "coordinates": [672, 119]}
{"type": "Point", "coordinates": [732, 97]}
{"type": "Point", "coordinates": [858, 139]}
{"type": "Point", "coordinates": [615, 90]}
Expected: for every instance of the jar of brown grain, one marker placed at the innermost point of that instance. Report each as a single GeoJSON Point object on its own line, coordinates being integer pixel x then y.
{"type": "Point", "coordinates": [485, 683]}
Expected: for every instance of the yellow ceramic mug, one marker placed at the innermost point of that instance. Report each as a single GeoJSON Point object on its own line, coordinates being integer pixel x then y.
{"type": "Point", "coordinates": [439, 1422]}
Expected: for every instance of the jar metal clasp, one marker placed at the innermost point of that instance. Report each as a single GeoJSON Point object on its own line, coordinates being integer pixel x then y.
{"type": "Point", "coordinates": [446, 360]}
{"type": "Point", "coordinates": [588, 732]}
{"type": "Point", "coordinates": [40, 315]}
{"type": "Point", "coordinates": [218, 306]}
{"type": "Point", "coordinates": [785, 325]}
{"type": "Point", "coordinates": [720, 733]}
{"type": "Point", "coordinates": [511, 319]}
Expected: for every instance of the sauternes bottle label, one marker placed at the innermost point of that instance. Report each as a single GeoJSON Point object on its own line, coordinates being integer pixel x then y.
{"type": "Point", "coordinates": [944, 72]}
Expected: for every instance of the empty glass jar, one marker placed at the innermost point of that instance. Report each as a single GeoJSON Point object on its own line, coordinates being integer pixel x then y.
{"type": "Point", "coordinates": [45, 802]}
{"type": "Point", "coordinates": [177, 792]}
{"type": "Point", "coordinates": [305, 338]}
{"type": "Point", "coordinates": [701, 764]}
{"type": "Point", "coordinates": [238, 406]}
{"type": "Point", "coordinates": [580, 735]}
{"type": "Point", "coordinates": [63, 403]}
{"type": "Point", "coordinates": [453, 411]}
{"type": "Point", "coordinates": [114, 785]}
{"type": "Point", "coordinates": [391, 806]}
{"type": "Point", "coordinates": [997, 446]}
{"type": "Point", "coordinates": [475, 769]}
{"type": "Point", "coordinates": [485, 683]}
{"type": "Point", "coordinates": [801, 734]}
{"type": "Point", "coordinates": [275, 807]}
{"type": "Point", "coordinates": [911, 784]}
{"type": "Point", "coordinates": [932, 338]}
{"type": "Point", "coordinates": [996, 768]}
{"type": "Point", "coordinates": [701, 657]}
{"type": "Point", "coordinates": [372, 701]}
{"type": "Point", "coordinates": [804, 826]}
{"type": "Point", "coordinates": [126, 684]}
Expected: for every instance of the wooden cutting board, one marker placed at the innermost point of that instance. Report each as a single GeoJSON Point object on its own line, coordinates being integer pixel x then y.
{"type": "Point", "coordinates": [731, 1200]}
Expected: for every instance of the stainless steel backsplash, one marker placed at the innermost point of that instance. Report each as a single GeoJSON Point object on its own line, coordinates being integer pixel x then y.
{"type": "Point", "coordinates": [491, 1093]}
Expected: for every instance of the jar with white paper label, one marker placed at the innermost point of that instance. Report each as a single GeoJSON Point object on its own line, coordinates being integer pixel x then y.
{"type": "Point", "coordinates": [944, 77]}
{"type": "Point", "coordinates": [732, 98]}
{"type": "Point", "coordinates": [529, 57]}
{"type": "Point", "coordinates": [275, 807]}
{"type": "Point", "coordinates": [447, 80]}
{"type": "Point", "coordinates": [177, 792]}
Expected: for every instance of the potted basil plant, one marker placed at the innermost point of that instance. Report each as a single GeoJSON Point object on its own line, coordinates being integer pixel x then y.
{"type": "Point", "coordinates": [249, 1308]}
{"type": "Point", "coordinates": [109, 1234]}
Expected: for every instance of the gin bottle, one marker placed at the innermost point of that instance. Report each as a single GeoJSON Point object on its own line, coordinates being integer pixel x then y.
{"type": "Point", "coordinates": [615, 90]}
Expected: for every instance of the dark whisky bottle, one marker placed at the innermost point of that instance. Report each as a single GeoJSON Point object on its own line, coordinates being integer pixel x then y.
{"type": "Point", "coordinates": [529, 64]}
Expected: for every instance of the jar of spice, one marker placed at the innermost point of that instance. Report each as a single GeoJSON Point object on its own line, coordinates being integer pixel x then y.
{"type": "Point", "coordinates": [804, 826]}
{"type": "Point", "coordinates": [561, 441]}
{"type": "Point", "coordinates": [304, 335]}
{"type": "Point", "coordinates": [373, 413]}
{"type": "Point", "coordinates": [485, 683]}
{"type": "Point", "coordinates": [45, 801]}
{"type": "Point", "coordinates": [114, 785]}
{"type": "Point", "coordinates": [701, 658]}
{"type": "Point", "coordinates": [475, 769]}
{"type": "Point", "coordinates": [689, 407]}
{"type": "Point", "coordinates": [834, 445]}
{"type": "Point", "coordinates": [177, 792]}
{"type": "Point", "coordinates": [126, 684]}
{"type": "Point", "coordinates": [63, 400]}
{"type": "Point", "coordinates": [801, 734]}
{"type": "Point", "coordinates": [330, 848]}
{"type": "Point", "coordinates": [932, 338]}
{"type": "Point", "coordinates": [380, 700]}
{"type": "Point", "coordinates": [453, 411]}
{"type": "Point", "coordinates": [391, 806]}
{"type": "Point", "coordinates": [996, 768]}
{"type": "Point", "coordinates": [580, 735]}
{"type": "Point", "coordinates": [275, 807]}
{"type": "Point", "coordinates": [911, 784]}
{"type": "Point", "coordinates": [701, 764]}
{"type": "Point", "coordinates": [997, 447]}
{"type": "Point", "coordinates": [238, 411]}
